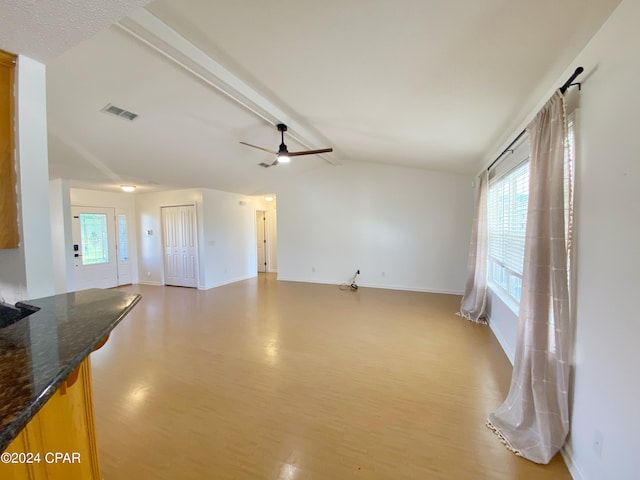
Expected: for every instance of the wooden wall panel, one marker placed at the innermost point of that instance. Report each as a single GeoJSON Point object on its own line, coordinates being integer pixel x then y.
{"type": "Point", "coordinates": [9, 236]}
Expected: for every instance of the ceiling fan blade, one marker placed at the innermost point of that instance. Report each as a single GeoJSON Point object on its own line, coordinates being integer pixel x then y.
{"type": "Point", "coordinates": [311, 152]}
{"type": "Point", "coordinates": [267, 165]}
{"type": "Point", "coordinates": [259, 148]}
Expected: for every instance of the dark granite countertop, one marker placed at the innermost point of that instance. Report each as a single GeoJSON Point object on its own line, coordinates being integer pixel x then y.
{"type": "Point", "coordinates": [39, 352]}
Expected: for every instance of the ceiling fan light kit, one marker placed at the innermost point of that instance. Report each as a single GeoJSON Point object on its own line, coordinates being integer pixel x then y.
{"type": "Point", "coordinates": [283, 155]}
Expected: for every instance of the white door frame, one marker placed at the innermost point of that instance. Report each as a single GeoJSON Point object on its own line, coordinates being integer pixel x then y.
{"type": "Point", "coordinates": [262, 228]}
{"type": "Point", "coordinates": [125, 267]}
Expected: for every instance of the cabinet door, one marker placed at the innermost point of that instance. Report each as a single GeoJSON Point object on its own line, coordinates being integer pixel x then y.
{"type": "Point", "coordinates": [8, 199]}
{"type": "Point", "coordinates": [63, 434]}
{"type": "Point", "coordinates": [21, 446]}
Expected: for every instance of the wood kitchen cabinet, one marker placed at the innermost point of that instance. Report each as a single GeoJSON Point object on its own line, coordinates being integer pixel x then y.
{"type": "Point", "coordinates": [46, 403]}
{"type": "Point", "coordinates": [8, 200]}
{"type": "Point", "coordinates": [64, 425]}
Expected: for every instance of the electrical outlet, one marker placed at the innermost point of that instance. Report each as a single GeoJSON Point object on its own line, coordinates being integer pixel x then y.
{"type": "Point", "coordinates": [598, 440]}
{"type": "Point", "coordinates": [384, 274]}
{"type": "Point", "coordinates": [148, 274]}
{"type": "Point", "coordinates": [313, 269]}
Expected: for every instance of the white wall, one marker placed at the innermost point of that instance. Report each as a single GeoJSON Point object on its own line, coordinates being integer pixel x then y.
{"type": "Point", "coordinates": [96, 198]}
{"type": "Point", "coordinates": [226, 235]}
{"type": "Point", "coordinates": [272, 234]}
{"type": "Point", "coordinates": [61, 238]}
{"type": "Point", "coordinates": [606, 392]}
{"type": "Point", "coordinates": [27, 271]}
{"type": "Point", "coordinates": [503, 323]}
{"type": "Point", "coordinates": [229, 238]}
{"type": "Point", "coordinates": [404, 228]}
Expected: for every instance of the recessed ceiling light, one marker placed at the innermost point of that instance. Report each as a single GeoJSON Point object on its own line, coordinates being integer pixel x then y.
{"type": "Point", "coordinates": [128, 188]}
{"type": "Point", "coordinates": [269, 198]}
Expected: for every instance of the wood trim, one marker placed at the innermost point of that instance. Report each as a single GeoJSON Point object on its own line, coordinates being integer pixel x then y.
{"type": "Point", "coordinates": [7, 59]}
{"type": "Point", "coordinates": [91, 426]}
{"type": "Point", "coordinates": [9, 235]}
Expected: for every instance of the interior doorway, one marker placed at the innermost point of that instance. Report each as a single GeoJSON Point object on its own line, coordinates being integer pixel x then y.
{"type": "Point", "coordinates": [266, 234]}
{"type": "Point", "coordinates": [261, 240]}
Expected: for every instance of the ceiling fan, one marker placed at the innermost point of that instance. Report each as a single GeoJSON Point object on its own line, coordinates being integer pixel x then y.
{"type": "Point", "coordinates": [283, 155]}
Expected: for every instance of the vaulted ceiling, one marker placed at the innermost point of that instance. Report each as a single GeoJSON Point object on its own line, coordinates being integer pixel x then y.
{"type": "Point", "coordinates": [436, 84]}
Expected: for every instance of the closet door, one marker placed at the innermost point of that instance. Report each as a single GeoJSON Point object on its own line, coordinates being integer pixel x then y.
{"type": "Point", "coordinates": [180, 245]}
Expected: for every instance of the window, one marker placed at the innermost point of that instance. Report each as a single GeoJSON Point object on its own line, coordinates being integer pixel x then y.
{"type": "Point", "coordinates": [507, 221]}
{"type": "Point", "coordinates": [123, 242]}
{"type": "Point", "coordinates": [93, 234]}
{"type": "Point", "coordinates": [507, 217]}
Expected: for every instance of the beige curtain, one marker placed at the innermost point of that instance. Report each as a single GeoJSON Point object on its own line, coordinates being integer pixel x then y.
{"type": "Point", "coordinates": [474, 301]}
{"type": "Point", "coordinates": [534, 419]}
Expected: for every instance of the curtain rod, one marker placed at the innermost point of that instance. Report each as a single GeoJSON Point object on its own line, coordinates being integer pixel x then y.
{"type": "Point", "coordinates": [563, 89]}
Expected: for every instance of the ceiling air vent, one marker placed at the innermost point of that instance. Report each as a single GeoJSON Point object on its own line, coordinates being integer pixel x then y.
{"type": "Point", "coordinates": [119, 112]}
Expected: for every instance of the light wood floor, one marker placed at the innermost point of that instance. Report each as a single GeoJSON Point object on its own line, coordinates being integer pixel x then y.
{"type": "Point", "coordinates": [277, 380]}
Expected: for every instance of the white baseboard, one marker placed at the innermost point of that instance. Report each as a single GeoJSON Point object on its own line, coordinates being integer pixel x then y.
{"type": "Point", "coordinates": [412, 289]}
{"type": "Point", "coordinates": [372, 285]}
{"type": "Point", "coordinates": [227, 282]}
{"type": "Point", "coordinates": [574, 470]}
{"type": "Point", "coordinates": [209, 286]}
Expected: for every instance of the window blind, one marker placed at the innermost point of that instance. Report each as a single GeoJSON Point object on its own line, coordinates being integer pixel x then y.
{"type": "Point", "coordinates": [507, 220]}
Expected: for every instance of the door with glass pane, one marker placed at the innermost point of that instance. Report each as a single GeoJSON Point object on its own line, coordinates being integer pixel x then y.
{"type": "Point", "coordinates": [124, 263]}
{"type": "Point", "coordinates": [94, 245]}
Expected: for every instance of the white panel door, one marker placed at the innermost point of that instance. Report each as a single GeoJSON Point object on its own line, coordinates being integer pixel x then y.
{"type": "Point", "coordinates": [261, 240]}
{"type": "Point", "coordinates": [180, 245]}
{"type": "Point", "coordinates": [94, 245]}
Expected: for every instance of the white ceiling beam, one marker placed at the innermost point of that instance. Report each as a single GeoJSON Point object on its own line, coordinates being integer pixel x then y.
{"type": "Point", "coordinates": [152, 31]}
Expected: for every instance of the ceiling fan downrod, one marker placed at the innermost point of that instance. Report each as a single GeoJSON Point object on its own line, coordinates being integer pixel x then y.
{"type": "Point", "coordinates": [283, 153]}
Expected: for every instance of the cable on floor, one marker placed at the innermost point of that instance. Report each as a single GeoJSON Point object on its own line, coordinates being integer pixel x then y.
{"type": "Point", "coordinates": [353, 286]}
